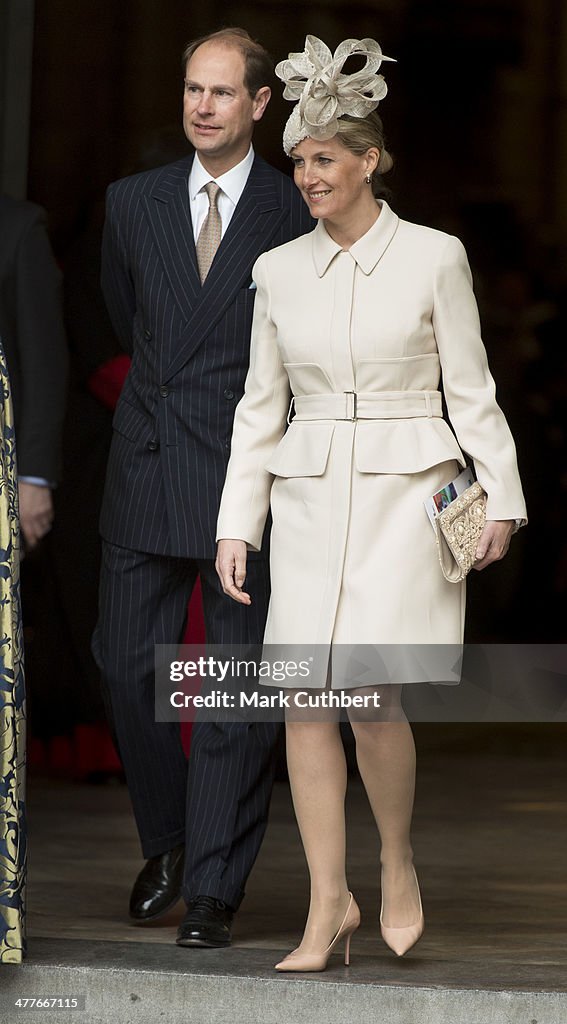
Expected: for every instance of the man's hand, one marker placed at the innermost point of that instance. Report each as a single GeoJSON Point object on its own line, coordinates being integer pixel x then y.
{"type": "Point", "coordinates": [231, 568]}
{"type": "Point", "coordinates": [36, 512]}
{"type": "Point", "coordinates": [494, 541]}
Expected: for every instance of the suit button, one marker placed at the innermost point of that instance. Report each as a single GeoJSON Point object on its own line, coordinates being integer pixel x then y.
{"type": "Point", "coordinates": [164, 391]}
{"type": "Point", "coordinates": [227, 445]}
{"type": "Point", "coordinates": [147, 334]}
{"type": "Point", "coordinates": [228, 394]}
{"type": "Point", "coordinates": [153, 446]}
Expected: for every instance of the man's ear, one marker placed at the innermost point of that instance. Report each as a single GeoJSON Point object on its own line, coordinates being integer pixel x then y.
{"type": "Point", "coordinates": [260, 102]}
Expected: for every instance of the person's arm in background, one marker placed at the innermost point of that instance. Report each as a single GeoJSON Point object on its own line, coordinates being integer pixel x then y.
{"type": "Point", "coordinates": [116, 280]}
{"type": "Point", "coordinates": [43, 364]}
{"type": "Point", "coordinates": [99, 365]}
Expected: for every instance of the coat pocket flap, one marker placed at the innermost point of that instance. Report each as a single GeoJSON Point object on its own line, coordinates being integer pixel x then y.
{"type": "Point", "coordinates": [302, 451]}
{"type": "Point", "coordinates": [133, 423]}
{"type": "Point", "coordinates": [404, 446]}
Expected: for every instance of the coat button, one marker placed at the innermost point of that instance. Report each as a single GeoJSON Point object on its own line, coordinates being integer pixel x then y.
{"type": "Point", "coordinates": [227, 445]}
{"type": "Point", "coordinates": [153, 446]}
{"type": "Point", "coordinates": [164, 391]}
{"type": "Point", "coordinates": [147, 334]}
{"type": "Point", "coordinates": [228, 394]}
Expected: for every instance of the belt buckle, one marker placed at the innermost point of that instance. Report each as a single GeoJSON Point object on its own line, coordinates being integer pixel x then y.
{"type": "Point", "coordinates": [353, 416]}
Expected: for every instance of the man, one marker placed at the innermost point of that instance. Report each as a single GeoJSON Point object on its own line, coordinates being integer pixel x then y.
{"type": "Point", "coordinates": [178, 250]}
{"type": "Point", "coordinates": [33, 338]}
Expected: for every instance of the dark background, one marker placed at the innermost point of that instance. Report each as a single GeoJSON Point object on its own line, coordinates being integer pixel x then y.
{"type": "Point", "coordinates": [474, 115]}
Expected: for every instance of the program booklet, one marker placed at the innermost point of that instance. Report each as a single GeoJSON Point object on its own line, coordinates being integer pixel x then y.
{"type": "Point", "coordinates": [438, 501]}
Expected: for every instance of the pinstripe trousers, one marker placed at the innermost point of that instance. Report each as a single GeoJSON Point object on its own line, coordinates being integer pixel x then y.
{"type": "Point", "coordinates": [218, 804]}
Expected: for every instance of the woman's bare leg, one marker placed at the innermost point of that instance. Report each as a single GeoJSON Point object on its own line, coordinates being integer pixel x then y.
{"type": "Point", "coordinates": [385, 752]}
{"type": "Point", "coordinates": [317, 773]}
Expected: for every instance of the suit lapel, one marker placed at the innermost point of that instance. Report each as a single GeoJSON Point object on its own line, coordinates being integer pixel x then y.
{"type": "Point", "coordinates": [256, 219]}
{"type": "Point", "coordinates": [251, 220]}
{"type": "Point", "coordinates": [168, 211]}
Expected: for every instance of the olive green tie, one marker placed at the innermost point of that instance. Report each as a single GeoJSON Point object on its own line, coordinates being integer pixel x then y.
{"type": "Point", "coordinates": [210, 233]}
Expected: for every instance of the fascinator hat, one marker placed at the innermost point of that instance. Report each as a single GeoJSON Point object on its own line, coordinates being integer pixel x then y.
{"type": "Point", "coordinates": [324, 92]}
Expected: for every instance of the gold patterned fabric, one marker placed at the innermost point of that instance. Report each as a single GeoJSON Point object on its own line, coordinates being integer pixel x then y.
{"type": "Point", "coordinates": [13, 837]}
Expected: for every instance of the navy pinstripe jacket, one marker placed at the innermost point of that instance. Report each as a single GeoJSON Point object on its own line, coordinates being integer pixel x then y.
{"type": "Point", "coordinates": [190, 350]}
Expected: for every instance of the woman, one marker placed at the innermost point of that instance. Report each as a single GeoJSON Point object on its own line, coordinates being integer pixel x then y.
{"type": "Point", "coordinates": [357, 320]}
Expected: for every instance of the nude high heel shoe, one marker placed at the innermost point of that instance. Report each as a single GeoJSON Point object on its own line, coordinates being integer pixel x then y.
{"type": "Point", "coordinates": [318, 961]}
{"type": "Point", "coordinates": [402, 939]}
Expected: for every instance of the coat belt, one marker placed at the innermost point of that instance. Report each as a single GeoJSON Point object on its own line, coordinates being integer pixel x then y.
{"type": "Point", "coordinates": [366, 405]}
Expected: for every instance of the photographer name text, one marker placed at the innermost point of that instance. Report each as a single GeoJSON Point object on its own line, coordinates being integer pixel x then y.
{"type": "Point", "coordinates": [219, 699]}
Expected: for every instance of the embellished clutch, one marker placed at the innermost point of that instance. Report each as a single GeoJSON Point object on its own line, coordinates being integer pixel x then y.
{"type": "Point", "coordinates": [458, 528]}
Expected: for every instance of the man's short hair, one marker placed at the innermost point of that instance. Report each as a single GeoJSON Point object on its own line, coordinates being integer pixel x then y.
{"type": "Point", "coordinates": [258, 64]}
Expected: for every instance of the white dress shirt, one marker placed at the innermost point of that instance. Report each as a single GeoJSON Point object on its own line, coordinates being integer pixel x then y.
{"type": "Point", "coordinates": [232, 186]}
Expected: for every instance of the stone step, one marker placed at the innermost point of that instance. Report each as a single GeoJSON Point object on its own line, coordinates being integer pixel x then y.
{"type": "Point", "coordinates": [145, 983]}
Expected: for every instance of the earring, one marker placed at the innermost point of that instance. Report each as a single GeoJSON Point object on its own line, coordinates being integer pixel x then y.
{"type": "Point", "coordinates": [368, 179]}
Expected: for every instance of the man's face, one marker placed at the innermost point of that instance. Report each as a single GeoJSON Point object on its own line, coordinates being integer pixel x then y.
{"type": "Point", "coordinates": [218, 111]}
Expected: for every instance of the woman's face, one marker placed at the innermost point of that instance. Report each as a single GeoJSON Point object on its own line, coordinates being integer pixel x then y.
{"type": "Point", "coordinates": [331, 178]}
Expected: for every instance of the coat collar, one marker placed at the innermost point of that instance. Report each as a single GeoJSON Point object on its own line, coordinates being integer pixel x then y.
{"type": "Point", "coordinates": [367, 251]}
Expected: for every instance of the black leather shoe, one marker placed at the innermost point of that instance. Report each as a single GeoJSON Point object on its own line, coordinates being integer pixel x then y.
{"type": "Point", "coordinates": [158, 886]}
{"type": "Point", "coordinates": [206, 923]}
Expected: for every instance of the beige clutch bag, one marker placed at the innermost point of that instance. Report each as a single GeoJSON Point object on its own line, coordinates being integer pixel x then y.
{"type": "Point", "coordinates": [458, 528]}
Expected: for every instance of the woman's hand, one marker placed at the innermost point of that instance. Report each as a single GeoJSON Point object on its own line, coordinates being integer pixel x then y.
{"type": "Point", "coordinates": [494, 541]}
{"type": "Point", "coordinates": [231, 568]}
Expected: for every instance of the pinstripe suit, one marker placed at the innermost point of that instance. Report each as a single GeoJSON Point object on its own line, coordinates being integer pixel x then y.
{"type": "Point", "coordinates": [190, 350]}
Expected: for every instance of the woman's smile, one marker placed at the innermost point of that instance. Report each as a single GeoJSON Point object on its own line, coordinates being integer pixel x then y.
{"type": "Point", "coordinates": [315, 197]}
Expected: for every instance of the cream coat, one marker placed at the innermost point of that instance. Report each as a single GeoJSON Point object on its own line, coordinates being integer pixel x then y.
{"type": "Point", "coordinates": [353, 554]}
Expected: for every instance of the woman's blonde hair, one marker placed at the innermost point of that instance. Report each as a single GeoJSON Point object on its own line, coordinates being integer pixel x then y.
{"type": "Point", "coordinates": [359, 134]}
